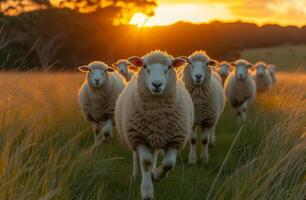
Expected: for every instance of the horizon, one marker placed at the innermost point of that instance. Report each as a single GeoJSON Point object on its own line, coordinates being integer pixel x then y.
{"type": "Point", "coordinates": [278, 12]}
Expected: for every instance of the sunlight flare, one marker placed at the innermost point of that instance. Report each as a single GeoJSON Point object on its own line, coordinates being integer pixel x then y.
{"type": "Point", "coordinates": [139, 19]}
{"type": "Point", "coordinates": [166, 14]}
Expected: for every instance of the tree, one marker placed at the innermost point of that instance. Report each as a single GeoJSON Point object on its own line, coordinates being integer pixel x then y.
{"type": "Point", "coordinates": [125, 8]}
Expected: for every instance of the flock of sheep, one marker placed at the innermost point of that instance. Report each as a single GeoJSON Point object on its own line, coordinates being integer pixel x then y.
{"type": "Point", "coordinates": [166, 102]}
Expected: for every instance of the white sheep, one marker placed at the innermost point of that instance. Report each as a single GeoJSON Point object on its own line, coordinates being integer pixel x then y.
{"type": "Point", "coordinates": [224, 69]}
{"type": "Point", "coordinates": [240, 88]}
{"type": "Point", "coordinates": [154, 112]}
{"type": "Point", "coordinates": [209, 100]}
{"type": "Point", "coordinates": [262, 77]}
{"type": "Point", "coordinates": [123, 68]}
{"type": "Point", "coordinates": [271, 70]}
{"type": "Point", "coordinates": [98, 95]}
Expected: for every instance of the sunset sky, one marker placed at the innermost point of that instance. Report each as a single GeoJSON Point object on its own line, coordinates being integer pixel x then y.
{"type": "Point", "coordinates": [283, 12]}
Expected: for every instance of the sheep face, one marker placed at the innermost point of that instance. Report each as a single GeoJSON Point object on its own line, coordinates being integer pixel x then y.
{"type": "Point", "coordinates": [122, 67]}
{"type": "Point", "coordinates": [224, 69]}
{"type": "Point", "coordinates": [97, 74]}
{"type": "Point", "coordinates": [241, 72]}
{"type": "Point", "coordinates": [157, 72]}
{"type": "Point", "coordinates": [260, 70]}
{"type": "Point", "coordinates": [199, 71]}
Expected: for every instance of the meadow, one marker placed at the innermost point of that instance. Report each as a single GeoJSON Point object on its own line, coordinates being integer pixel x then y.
{"type": "Point", "coordinates": [286, 57]}
{"type": "Point", "coordinates": [47, 147]}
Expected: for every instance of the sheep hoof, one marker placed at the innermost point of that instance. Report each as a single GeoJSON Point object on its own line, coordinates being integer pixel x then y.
{"type": "Point", "coordinates": [147, 192]}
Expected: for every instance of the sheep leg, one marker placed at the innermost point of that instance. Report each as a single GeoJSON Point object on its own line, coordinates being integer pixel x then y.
{"type": "Point", "coordinates": [204, 150]}
{"type": "Point", "coordinates": [96, 131]}
{"type": "Point", "coordinates": [107, 129]}
{"type": "Point", "coordinates": [155, 159]}
{"type": "Point", "coordinates": [167, 164]}
{"type": "Point", "coordinates": [192, 158]}
{"type": "Point", "coordinates": [136, 167]}
{"type": "Point", "coordinates": [244, 111]}
{"type": "Point", "coordinates": [146, 163]}
{"type": "Point", "coordinates": [212, 137]}
{"type": "Point", "coordinates": [239, 114]}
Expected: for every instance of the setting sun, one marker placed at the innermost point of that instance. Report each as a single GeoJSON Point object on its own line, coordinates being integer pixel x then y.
{"type": "Point", "coordinates": [139, 19]}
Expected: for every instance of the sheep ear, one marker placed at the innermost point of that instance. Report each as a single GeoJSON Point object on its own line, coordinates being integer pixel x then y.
{"type": "Point", "coordinates": [114, 65]}
{"type": "Point", "coordinates": [110, 69]}
{"type": "Point", "coordinates": [213, 63]}
{"type": "Point", "coordinates": [186, 58]}
{"type": "Point", "coordinates": [177, 62]}
{"type": "Point", "coordinates": [84, 68]}
{"type": "Point", "coordinates": [135, 61]}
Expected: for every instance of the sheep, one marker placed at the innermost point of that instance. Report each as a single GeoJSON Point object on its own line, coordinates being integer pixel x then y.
{"type": "Point", "coordinates": [224, 69]}
{"type": "Point", "coordinates": [262, 77]}
{"type": "Point", "coordinates": [271, 70]}
{"type": "Point", "coordinates": [123, 68]}
{"type": "Point", "coordinates": [209, 101]}
{"type": "Point", "coordinates": [154, 112]}
{"type": "Point", "coordinates": [240, 88]}
{"type": "Point", "coordinates": [98, 95]}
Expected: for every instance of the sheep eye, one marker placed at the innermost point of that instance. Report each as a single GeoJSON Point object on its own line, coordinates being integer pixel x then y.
{"type": "Point", "coordinates": [169, 66]}
{"type": "Point", "coordinates": [145, 66]}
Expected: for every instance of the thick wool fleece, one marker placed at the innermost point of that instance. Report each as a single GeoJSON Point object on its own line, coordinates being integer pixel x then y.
{"type": "Point", "coordinates": [208, 98]}
{"type": "Point", "coordinates": [98, 104]}
{"type": "Point", "coordinates": [159, 122]}
{"type": "Point", "coordinates": [238, 91]}
{"type": "Point", "coordinates": [264, 82]}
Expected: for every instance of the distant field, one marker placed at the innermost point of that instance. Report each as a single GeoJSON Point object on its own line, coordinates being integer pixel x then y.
{"type": "Point", "coordinates": [46, 148]}
{"type": "Point", "coordinates": [285, 57]}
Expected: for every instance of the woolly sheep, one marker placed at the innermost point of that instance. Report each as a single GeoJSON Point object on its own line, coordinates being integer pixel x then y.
{"type": "Point", "coordinates": [271, 70]}
{"type": "Point", "coordinates": [98, 95]}
{"type": "Point", "coordinates": [209, 100]}
{"type": "Point", "coordinates": [224, 69]}
{"type": "Point", "coordinates": [123, 68]}
{"type": "Point", "coordinates": [154, 112]}
{"type": "Point", "coordinates": [262, 77]}
{"type": "Point", "coordinates": [240, 88]}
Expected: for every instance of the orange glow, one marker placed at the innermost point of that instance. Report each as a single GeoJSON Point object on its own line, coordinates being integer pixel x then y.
{"type": "Point", "coordinates": [282, 12]}
{"type": "Point", "coordinates": [167, 14]}
{"type": "Point", "coordinates": [139, 19]}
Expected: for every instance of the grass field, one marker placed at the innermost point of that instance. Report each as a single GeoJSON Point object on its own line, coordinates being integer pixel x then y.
{"type": "Point", "coordinates": [285, 57]}
{"type": "Point", "coordinates": [47, 153]}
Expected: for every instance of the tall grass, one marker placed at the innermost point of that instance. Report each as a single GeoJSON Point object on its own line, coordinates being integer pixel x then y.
{"type": "Point", "coordinates": [46, 148]}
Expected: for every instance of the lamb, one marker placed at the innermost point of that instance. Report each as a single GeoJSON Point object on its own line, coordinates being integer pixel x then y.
{"type": "Point", "coordinates": [123, 68]}
{"type": "Point", "coordinates": [240, 88]}
{"type": "Point", "coordinates": [262, 77]}
{"type": "Point", "coordinates": [271, 70]}
{"type": "Point", "coordinates": [224, 70]}
{"type": "Point", "coordinates": [98, 95]}
{"type": "Point", "coordinates": [154, 112]}
{"type": "Point", "coordinates": [209, 101]}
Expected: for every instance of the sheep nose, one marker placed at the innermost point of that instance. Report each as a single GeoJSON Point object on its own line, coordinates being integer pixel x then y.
{"type": "Point", "coordinates": [198, 76]}
{"type": "Point", "coordinates": [97, 80]}
{"type": "Point", "coordinates": [157, 84]}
